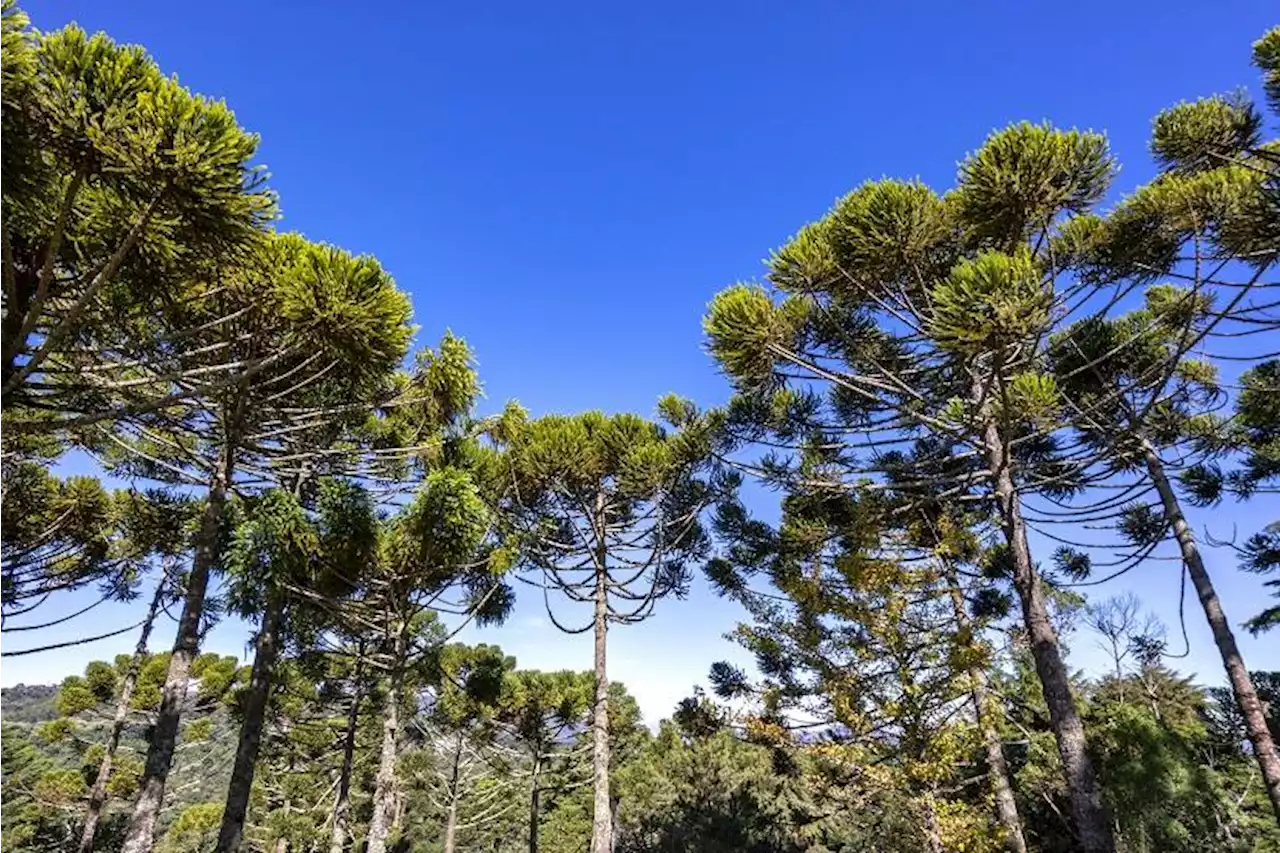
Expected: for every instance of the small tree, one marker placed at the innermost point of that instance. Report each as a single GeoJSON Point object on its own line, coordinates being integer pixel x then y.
{"type": "Point", "coordinates": [543, 711]}
{"type": "Point", "coordinates": [156, 528]}
{"type": "Point", "coordinates": [277, 548]}
{"type": "Point", "coordinates": [454, 768]}
{"type": "Point", "coordinates": [609, 508]}
{"type": "Point", "coordinates": [441, 543]}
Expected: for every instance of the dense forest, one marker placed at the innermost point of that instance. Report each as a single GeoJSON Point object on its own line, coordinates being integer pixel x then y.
{"type": "Point", "coordinates": [975, 407]}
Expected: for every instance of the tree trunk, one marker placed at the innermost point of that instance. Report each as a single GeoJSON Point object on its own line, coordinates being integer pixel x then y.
{"type": "Point", "coordinates": [254, 705]}
{"type": "Point", "coordinates": [164, 739]}
{"type": "Point", "coordinates": [385, 785]}
{"type": "Point", "coordinates": [98, 796]}
{"type": "Point", "coordinates": [1255, 721]}
{"type": "Point", "coordinates": [1091, 822]}
{"type": "Point", "coordinates": [342, 805]}
{"type": "Point", "coordinates": [451, 817]}
{"type": "Point", "coordinates": [1004, 803]}
{"type": "Point", "coordinates": [601, 818]}
{"type": "Point", "coordinates": [535, 806]}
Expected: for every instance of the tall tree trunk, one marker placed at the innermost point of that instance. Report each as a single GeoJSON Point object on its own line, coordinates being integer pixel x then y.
{"type": "Point", "coordinates": [451, 827]}
{"type": "Point", "coordinates": [342, 804]}
{"type": "Point", "coordinates": [385, 784]}
{"type": "Point", "coordinates": [535, 806]}
{"type": "Point", "coordinates": [164, 738]}
{"type": "Point", "coordinates": [1255, 721]}
{"type": "Point", "coordinates": [397, 819]}
{"type": "Point", "coordinates": [98, 796]}
{"type": "Point", "coordinates": [451, 817]}
{"type": "Point", "coordinates": [1005, 805]}
{"type": "Point", "coordinates": [601, 817]}
{"type": "Point", "coordinates": [1091, 822]}
{"type": "Point", "coordinates": [266, 650]}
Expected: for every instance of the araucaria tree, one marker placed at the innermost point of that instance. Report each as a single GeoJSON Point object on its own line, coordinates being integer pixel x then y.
{"type": "Point", "coordinates": [608, 509]}
{"type": "Point", "coordinates": [1143, 389]}
{"type": "Point", "coordinates": [117, 183]}
{"type": "Point", "coordinates": [318, 308]}
{"type": "Point", "coordinates": [906, 315]}
{"type": "Point", "coordinates": [439, 553]}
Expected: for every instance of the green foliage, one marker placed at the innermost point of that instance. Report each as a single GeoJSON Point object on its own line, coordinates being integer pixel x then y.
{"type": "Point", "coordinates": [193, 830]}
{"type": "Point", "coordinates": [1261, 555]}
{"type": "Point", "coordinates": [57, 533]}
{"type": "Point", "coordinates": [1194, 137]}
{"type": "Point", "coordinates": [1258, 416]}
{"type": "Point", "coordinates": [713, 794]}
{"type": "Point", "coordinates": [59, 788]}
{"type": "Point", "coordinates": [54, 731]}
{"type": "Point", "coordinates": [276, 545]}
{"type": "Point", "coordinates": [1025, 176]}
{"type": "Point", "coordinates": [1266, 56]}
{"type": "Point", "coordinates": [216, 674]}
{"type": "Point", "coordinates": [75, 696]}
{"type": "Point", "coordinates": [745, 333]}
{"type": "Point", "coordinates": [100, 678]}
{"type": "Point", "coordinates": [989, 303]}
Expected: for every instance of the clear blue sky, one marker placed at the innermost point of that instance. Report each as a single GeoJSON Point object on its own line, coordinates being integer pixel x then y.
{"type": "Point", "coordinates": [567, 184]}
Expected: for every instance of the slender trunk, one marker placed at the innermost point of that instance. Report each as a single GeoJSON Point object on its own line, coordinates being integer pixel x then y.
{"type": "Point", "coordinates": [601, 818]}
{"type": "Point", "coordinates": [1005, 805]}
{"type": "Point", "coordinates": [1255, 721]}
{"type": "Point", "coordinates": [535, 807]}
{"type": "Point", "coordinates": [342, 805]}
{"type": "Point", "coordinates": [164, 738]}
{"type": "Point", "coordinates": [1091, 822]}
{"type": "Point", "coordinates": [98, 796]}
{"type": "Point", "coordinates": [451, 818]}
{"type": "Point", "coordinates": [266, 650]}
{"type": "Point", "coordinates": [615, 803]}
{"type": "Point", "coordinates": [385, 785]}
{"type": "Point", "coordinates": [932, 831]}
{"type": "Point", "coordinates": [451, 827]}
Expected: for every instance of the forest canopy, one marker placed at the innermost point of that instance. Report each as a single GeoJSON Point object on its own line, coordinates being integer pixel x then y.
{"type": "Point", "coordinates": [973, 407]}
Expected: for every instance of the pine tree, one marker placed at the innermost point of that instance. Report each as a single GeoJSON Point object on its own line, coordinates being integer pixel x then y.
{"type": "Point", "coordinates": [117, 182]}
{"type": "Point", "coordinates": [348, 312]}
{"type": "Point", "coordinates": [922, 317]}
{"type": "Point", "coordinates": [439, 546]}
{"type": "Point", "coordinates": [608, 508]}
{"type": "Point", "coordinates": [279, 548]}
{"type": "Point", "coordinates": [542, 711]}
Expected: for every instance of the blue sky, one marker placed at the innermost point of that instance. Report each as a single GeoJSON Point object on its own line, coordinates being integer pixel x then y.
{"type": "Point", "coordinates": [567, 184]}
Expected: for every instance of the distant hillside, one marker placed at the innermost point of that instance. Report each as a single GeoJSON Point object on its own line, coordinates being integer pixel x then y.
{"type": "Point", "coordinates": [28, 703]}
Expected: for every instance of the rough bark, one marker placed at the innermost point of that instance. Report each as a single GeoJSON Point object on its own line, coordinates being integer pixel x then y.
{"type": "Point", "coordinates": [98, 795]}
{"type": "Point", "coordinates": [535, 805]}
{"type": "Point", "coordinates": [385, 784]}
{"type": "Point", "coordinates": [1092, 826]}
{"type": "Point", "coordinates": [342, 803]}
{"type": "Point", "coordinates": [164, 738]}
{"type": "Point", "coordinates": [1255, 721]}
{"type": "Point", "coordinates": [254, 705]}
{"type": "Point", "coordinates": [1004, 805]}
{"type": "Point", "coordinates": [451, 817]}
{"type": "Point", "coordinates": [601, 818]}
